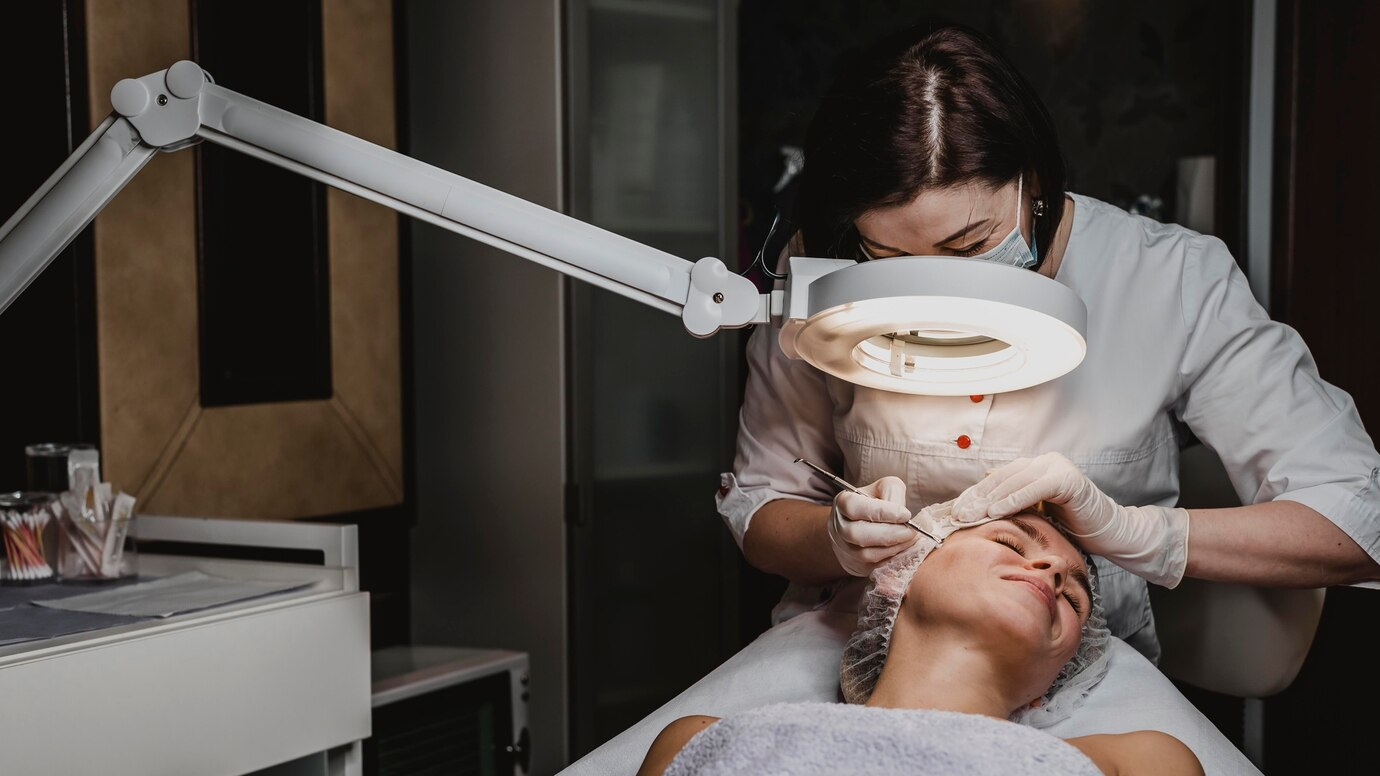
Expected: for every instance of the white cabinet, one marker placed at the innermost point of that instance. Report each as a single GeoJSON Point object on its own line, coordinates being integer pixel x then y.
{"type": "Point", "coordinates": [221, 692]}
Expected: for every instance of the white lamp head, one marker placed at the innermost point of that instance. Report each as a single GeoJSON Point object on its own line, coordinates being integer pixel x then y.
{"type": "Point", "coordinates": [934, 325]}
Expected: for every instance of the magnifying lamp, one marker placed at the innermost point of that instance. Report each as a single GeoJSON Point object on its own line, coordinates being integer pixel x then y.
{"type": "Point", "coordinates": [920, 325]}
{"type": "Point", "coordinates": [943, 326]}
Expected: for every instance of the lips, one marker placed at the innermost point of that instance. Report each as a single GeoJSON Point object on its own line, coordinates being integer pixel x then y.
{"type": "Point", "coordinates": [1041, 588]}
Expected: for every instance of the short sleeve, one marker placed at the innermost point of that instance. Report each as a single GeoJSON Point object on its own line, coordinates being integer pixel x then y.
{"type": "Point", "coordinates": [1251, 391]}
{"type": "Point", "coordinates": [787, 414]}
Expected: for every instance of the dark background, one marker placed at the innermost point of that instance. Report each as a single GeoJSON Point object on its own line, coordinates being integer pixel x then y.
{"type": "Point", "coordinates": [49, 333]}
{"type": "Point", "coordinates": [261, 342]}
{"type": "Point", "coordinates": [1326, 199]}
{"type": "Point", "coordinates": [1131, 86]}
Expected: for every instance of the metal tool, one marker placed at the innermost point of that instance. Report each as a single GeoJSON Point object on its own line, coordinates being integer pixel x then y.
{"type": "Point", "coordinates": [845, 485]}
{"type": "Point", "coordinates": [830, 476]}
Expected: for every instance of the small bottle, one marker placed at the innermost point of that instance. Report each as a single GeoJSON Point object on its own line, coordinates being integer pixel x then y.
{"type": "Point", "coordinates": [47, 465]}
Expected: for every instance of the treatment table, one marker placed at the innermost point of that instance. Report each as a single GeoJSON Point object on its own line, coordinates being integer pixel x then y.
{"type": "Point", "coordinates": [798, 661]}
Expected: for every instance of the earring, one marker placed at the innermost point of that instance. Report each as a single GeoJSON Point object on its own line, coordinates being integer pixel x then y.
{"type": "Point", "coordinates": [1038, 207]}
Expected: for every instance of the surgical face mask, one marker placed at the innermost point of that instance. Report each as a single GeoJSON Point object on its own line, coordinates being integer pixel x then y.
{"type": "Point", "coordinates": [1012, 251]}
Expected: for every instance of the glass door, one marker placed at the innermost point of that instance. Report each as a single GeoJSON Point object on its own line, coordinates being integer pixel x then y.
{"type": "Point", "coordinates": [651, 411]}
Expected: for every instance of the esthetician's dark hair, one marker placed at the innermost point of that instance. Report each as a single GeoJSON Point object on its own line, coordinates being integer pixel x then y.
{"type": "Point", "coordinates": [933, 106]}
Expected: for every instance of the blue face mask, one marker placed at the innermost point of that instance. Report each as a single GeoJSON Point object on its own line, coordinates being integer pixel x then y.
{"type": "Point", "coordinates": [1013, 251]}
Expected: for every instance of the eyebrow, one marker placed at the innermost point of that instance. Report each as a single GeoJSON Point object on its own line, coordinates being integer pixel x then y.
{"type": "Point", "coordinates": [1076, 573]}
{"type": "Point", "coordinates": [973, 227]}
{"type": "Point", "coordinates": [876, 244]}
{"type": "Point", "coordinates": [1032, 532]}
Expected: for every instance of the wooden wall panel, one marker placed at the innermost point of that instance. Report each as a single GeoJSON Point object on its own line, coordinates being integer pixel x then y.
{"type": "Point", "coordinates": [291, 459]}
{"type": "Point", "coordinates": [358, 51]}
{"type": "Point", "coordinates": [145, 246]}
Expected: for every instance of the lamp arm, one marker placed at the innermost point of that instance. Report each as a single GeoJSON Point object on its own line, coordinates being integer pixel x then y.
{"type": "Point", "coordinates": [55, 214]}
{"type": "Point", "coordinates": [173, 108]}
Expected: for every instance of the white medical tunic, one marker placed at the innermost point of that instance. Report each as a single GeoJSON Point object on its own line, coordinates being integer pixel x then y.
{"type": "Point", "coordinates": [1175, 340]}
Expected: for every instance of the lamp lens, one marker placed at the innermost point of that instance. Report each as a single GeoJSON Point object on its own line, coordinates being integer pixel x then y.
{"type": "Point", "coordinates": [928, 353]}
{"type": "Point", "coordinates": [938, 337]}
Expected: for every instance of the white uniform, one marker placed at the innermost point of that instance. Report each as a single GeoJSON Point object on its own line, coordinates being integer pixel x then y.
{"type": "Point", "coordinates": [1175, 338]}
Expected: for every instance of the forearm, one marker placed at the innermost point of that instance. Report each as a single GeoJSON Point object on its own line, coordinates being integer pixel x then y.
{"type": "Point", "coordinates": [1274, 544]}
{"type": "Point", "coordinates": [790, 538]}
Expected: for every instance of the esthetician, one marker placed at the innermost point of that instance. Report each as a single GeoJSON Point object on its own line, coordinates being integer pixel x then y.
{"type": "Point", "coordinates": [931, 143]}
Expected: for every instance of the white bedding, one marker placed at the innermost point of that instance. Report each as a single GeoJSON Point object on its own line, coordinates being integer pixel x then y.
{"type": "Point", "coordinates": [798, 661]}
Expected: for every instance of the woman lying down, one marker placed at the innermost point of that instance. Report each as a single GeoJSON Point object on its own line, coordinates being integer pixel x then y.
{"type": "Point", "coordinates": [954, 665]}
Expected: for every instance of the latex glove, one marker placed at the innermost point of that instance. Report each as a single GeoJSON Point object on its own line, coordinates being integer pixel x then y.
{"type": "Point", "coordinates": [867, 530]}
{"type": "Point", "coordinates": [1151, 541]}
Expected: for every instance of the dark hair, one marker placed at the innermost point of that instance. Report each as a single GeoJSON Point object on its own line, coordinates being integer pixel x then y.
{"type": "Point", "coordinates": [931, 107]}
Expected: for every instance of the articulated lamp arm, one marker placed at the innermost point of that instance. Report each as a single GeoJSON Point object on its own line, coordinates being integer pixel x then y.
{"type": "Point", "coordinates": [935, 325]}
{"type": "Point", "coordinates": [174, 108]}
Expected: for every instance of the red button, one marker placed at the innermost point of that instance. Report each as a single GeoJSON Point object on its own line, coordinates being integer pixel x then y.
{"type": "Point", "coordinates": [963, 442]}
{"type": "Point", "coordinates": [977, 398]}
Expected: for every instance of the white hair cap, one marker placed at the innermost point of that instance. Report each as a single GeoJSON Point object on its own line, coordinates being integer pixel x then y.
{"type": "Point", "coordinates": [866, 651]}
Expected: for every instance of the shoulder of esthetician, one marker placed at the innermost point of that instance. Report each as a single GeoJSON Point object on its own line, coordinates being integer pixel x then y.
{"type": "Point", "coordinates": [932, 144]}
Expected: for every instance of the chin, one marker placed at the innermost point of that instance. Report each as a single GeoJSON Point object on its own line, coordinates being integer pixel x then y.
{"type": "Point", "coordinates": [1030, 636]}
{"type": "Point", "coordinates": [1019, 624]}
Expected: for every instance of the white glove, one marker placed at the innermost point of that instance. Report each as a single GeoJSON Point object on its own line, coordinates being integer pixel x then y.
{"type": "Point", "coordinates": [1151, 542]}
{"type": "Point", "coordinates": [867, 530]}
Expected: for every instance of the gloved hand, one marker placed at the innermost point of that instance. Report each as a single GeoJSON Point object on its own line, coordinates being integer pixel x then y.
{"type": "Point", "coordinates": [1151, 542]}
{"type": "Point", "coordinates": [867, 530]}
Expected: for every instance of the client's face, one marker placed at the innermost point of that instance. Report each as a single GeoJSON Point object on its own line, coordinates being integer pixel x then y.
{"type": "Point", "coordinates": [1016, 586]}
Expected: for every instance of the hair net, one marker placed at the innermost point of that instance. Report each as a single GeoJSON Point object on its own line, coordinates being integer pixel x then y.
{"type": "Point", "coordinates": [866, 651]}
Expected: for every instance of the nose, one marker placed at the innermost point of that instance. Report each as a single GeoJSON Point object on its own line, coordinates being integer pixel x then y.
{"type": "Point", "coordinates": [1056, 566]}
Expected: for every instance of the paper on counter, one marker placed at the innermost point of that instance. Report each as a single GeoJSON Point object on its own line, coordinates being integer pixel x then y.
{"type": "Point", "coordinates": [34, 623]}
{"type": "Point", "coordinates": [12, 596]}
{"type": "Point", "coordinates": [166, 597]}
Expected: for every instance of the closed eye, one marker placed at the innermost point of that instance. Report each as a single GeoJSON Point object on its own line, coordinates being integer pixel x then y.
{"type": "Point", "coordinates": [872, 254]}
{"type": "Point", "coordinates": [1077, 607]}
{"type": "Point", "coordinates": [976, 246]}
{"type": "Point", "coordinates": [971, 250]}
{"type": "Point", "coordinates": [1010, 543]}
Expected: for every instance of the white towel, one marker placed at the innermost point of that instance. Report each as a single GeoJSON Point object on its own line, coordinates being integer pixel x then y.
{"type": "Point", "coordinates": [834, 738]}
